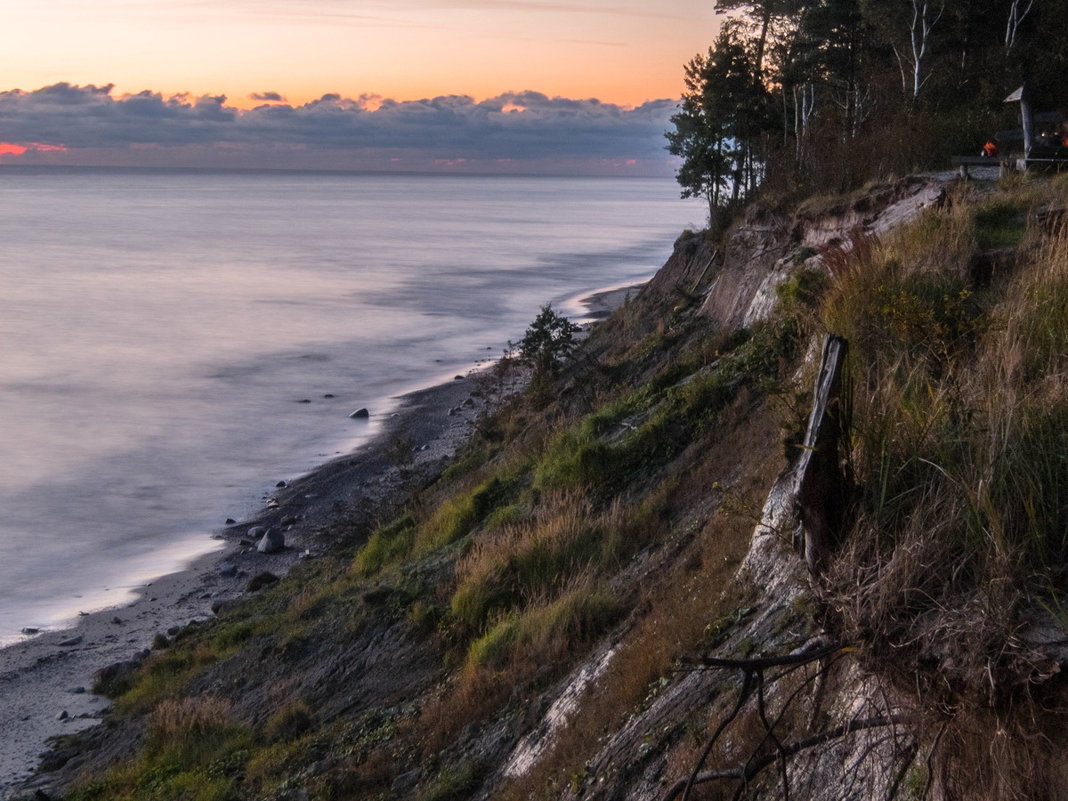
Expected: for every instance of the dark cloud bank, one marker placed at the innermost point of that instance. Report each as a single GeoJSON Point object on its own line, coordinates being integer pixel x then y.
{"type": "Point", "coordinates": [454, 132]}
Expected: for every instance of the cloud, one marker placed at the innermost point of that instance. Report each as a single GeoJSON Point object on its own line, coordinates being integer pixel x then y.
{"type": "Point", "coordinates": [524, 127]}
{"type": "Point", "coordinates": [267, 97]}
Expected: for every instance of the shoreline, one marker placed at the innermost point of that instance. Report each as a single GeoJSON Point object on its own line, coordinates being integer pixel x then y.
{"type": "Point", "coordinates": [46, 680]}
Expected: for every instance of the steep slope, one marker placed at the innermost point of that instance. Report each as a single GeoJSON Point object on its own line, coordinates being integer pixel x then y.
{"type": "Point", "coordinates": [601, 597]}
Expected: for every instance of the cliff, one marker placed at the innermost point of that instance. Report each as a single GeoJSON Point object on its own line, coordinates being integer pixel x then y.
{"type": "Point", "coordinates": [604, 595]}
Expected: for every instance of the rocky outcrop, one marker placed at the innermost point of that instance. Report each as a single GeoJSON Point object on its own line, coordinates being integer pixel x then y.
{"type": "Point", "coordinates": [769, 245]}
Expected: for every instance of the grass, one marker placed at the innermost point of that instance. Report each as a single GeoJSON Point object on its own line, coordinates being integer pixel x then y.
{"type": "Point", "coordinates": [194, 751]}
{"type": "Point", "coordinates": [959, 419]}
{"type": "Point", "coordinates": [452, 518]}
{"type": "Point", "coordinates": [163, 676]}
{"type": "Point", "coordinates": [386, 545]}
{"type": "Point", "coordinates": [547, 630]}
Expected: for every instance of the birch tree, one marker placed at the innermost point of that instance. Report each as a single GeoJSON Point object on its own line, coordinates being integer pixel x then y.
{"type": "Point", "coordinates": [1018, 11]}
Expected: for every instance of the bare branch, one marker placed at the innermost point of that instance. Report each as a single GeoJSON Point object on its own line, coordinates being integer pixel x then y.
{"type": "Point", "coordinates": [752, 770]}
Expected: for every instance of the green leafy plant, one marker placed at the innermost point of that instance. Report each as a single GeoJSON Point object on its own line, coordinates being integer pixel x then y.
{"type": "Point", "coordinates": [548, 342]}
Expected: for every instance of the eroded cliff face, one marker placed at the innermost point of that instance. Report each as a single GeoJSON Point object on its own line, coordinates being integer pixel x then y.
{"type": "Point", "coordinates": [768, 246]}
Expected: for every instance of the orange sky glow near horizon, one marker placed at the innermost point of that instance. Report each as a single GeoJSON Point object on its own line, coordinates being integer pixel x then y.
{"type": "Point", "coordinates": [618, 52]}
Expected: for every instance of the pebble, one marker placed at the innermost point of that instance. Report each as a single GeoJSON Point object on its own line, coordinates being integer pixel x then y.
{"type": "Point", "coordinates": [360, 414]}
{"type": "Point", "coordinates": [230, 521]}
{"type": "Point", "coordinates": [328, 395]}
{"type": "Point", "coordinates": [31, 630]}
{"type": "Point", "coordinates": [70, 642]}
{"type": "Point", "coordinates": [281, 485]}
{"type": "Point", "coordinates": [62, 715]}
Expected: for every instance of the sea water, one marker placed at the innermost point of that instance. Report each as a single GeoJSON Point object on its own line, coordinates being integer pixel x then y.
{"type": "Point", "coordinates": [162, 334]}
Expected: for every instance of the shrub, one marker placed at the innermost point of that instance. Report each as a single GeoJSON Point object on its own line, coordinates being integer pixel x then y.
{"type": "Point", "coordinates": [548, 341]}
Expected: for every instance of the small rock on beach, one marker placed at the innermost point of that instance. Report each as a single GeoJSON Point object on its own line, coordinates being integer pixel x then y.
{"type": "Point", "coordinates": [271, 542]}
{"type": "Point", "coordinates": [360, 414]}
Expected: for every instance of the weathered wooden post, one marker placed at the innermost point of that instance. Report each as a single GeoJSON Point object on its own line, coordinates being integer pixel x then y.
{"type": "Point", "coordinates": [821, 490]}
{"type": "Point", "coordinates": [1027, 117]}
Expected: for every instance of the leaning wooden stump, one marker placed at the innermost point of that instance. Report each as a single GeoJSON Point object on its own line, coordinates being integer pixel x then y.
{"type": "Point", "coordinates": [821, 486]}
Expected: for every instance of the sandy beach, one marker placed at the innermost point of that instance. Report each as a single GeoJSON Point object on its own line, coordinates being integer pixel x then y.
{"type": "Point", "coordinates": [46, 680]}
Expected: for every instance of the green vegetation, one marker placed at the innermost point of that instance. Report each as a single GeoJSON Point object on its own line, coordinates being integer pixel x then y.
{"type": "Point", "coordinates": [194, 751]}
{"type": "Point", "coordinates": [548, 342]}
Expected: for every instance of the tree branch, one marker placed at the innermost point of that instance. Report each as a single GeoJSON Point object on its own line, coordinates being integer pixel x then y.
{"type": "Point", "coordinates": [754, 768]}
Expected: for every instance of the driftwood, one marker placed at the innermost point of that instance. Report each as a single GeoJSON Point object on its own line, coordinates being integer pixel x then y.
{"type": "Point", "coordinates": [821, 487]}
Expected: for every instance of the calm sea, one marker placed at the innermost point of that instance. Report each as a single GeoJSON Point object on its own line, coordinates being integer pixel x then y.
{"type": "Point", "coordinates": [159, 330]}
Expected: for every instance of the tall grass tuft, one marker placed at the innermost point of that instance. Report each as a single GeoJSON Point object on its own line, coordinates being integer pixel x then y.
{"type": "Point", "coordinates": [960, 419]}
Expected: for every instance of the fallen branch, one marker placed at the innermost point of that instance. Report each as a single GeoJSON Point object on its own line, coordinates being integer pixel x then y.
{"type": "Point", "coordinates": [753, 675]}
{"type": "Point", "coordinates": [750, 771]}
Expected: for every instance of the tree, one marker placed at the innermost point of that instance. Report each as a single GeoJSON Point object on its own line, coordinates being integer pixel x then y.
{"type": "Point", "coordinates": [721, 118]}
{"type": "Point", "coordinates": [1018, 11]}
{"type": "Point", "coordinates": [548, 341]}
{"type": "Point", "coordinates": [763, 13]}
{"type": "Point", "coordinates": [915, 20]}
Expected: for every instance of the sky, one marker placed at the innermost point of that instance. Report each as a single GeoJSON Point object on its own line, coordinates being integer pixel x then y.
{"type": "Point", "coordinates": [557, 86]}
